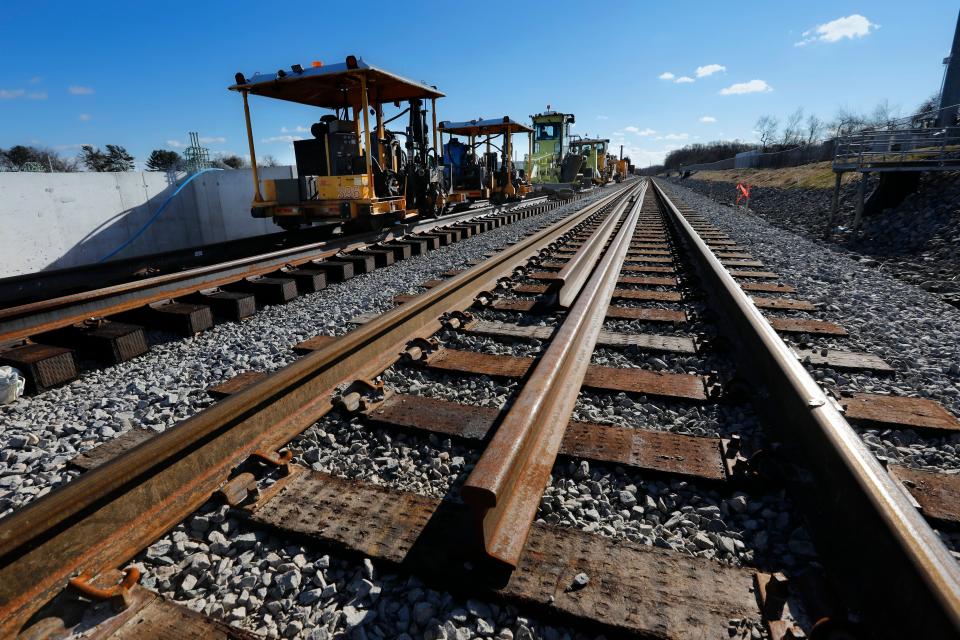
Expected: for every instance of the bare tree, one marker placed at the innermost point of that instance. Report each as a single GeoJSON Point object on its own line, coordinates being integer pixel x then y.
{"type": "Point", "coordinates": [767, 130]}
{"type": "Point", "coordinates": [793, 129]}
{"type": "Point", "coordinates": [230, 161]}
{"type": "Point", "coordinates": [884, 113]}
{"type": "Point", "coordinates": [269, 161]}
{"type": "Point", "coordinates": [847, 121]}
{"type": "Point", "coordinates": [814, 129]}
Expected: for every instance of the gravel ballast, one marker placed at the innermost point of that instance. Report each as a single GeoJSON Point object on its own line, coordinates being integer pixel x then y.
{"type": "Point", "coordinates": [40, 434]}
{"type": "Point", "coordinates": [911, 329]}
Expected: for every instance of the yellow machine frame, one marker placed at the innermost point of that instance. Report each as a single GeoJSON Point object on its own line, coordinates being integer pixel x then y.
{"type": "Point", "coordinates": [352, 84]}
{"type": "Point", "coordinates": [490, 128]}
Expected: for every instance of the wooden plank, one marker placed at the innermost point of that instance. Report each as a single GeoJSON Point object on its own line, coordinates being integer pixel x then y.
{"type": "Point", "coordinates": [236, 384]}
{"type": "Point", "coordinates": [651, 259]}
{"type": "Point", "coordinates": [632, 589]}
{"type": "Point", "coordinates": [640, 294]}
{"type": "Point", "coordinates": [648, 281]}
{"type": "Point", "coordinates": [646, 341]}
{"type": "Point", "coordinates": [786, 304]}
{"type": "Point", "coordinates": [899, 412]}
{"type": "Point", "coordinates": [843, 360]}
{"type": "Point", "coordinates": [938, 494]}
{"type": "Point", "coordinates": [647, 268]}
{"type": "Point", "coordinates": [313, 344]}
{"type": "Point", "coordinates": [767, 287]}
{"type": "Point", "coordinates": [743, 264]}
{"type": "Point", "coordinates": [659, 451]}
{"type": "Point", "coordinates": [754, 274]}
{"type": "Point", "coordinates": [108, 450]}
{"type": "Point", "coordinates": [645, 314]}
{"type": "Point", "coordinates": [671, 385]}
{"type": "Point", "coordinates": [799, 325]}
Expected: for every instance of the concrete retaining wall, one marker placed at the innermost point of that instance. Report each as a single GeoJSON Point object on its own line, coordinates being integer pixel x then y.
{"type": "Point", "coordinates": [61, 220]}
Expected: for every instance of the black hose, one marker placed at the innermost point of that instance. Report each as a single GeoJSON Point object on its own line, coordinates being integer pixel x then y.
{"type": "Point", "coordinates": [386, 122]}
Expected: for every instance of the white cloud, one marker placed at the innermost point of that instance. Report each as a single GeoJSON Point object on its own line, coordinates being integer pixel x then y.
{"type": "Point", "coordinates": [602, 118]}
{"type": "Point", "coordinates": [296, 129]}
{"type": "Point", "coordinates": [281, 139]}
{"type": "Point", "coordinates": [675, 136]}
{"type": "Point", "coordinates": [639, 131]}
{"type": "Point", "coordinates": [80, 91]}
{"type": "Point", "coordinates": [36, 80]}
{"type": "Point", "coordinates": [212, 140]}
{"type": "Point", "coordinates": [176, 144]}
{"type": "Point", "coordinates": [708, 119]}
{"type": "Point", "coordinates": [15, 94]}
{"type": "Point", "coordinates": [754, 86]}
{"type": "Point", "coordinates": [709, 70]}
{"type": "Point", "coordinates": [84, 117]}
{"type": "Point", "coordinates": [852, 26]}
{"type": "Point", "coordinates": [666, 75]}
{"type": "Point", "coordinates": [683, 80]}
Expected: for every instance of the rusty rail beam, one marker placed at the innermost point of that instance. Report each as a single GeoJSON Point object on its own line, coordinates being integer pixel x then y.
{"type": "Point", "coordinates": [878, 545]}
{"type": "Point", "coordinates": [105, 517]}
{"type": "Point", "coordinates": [23, 321]}
{"type": "Point", "coordinates": [505, 487]}
{"type": "Point", "coordinates": [576, 271]}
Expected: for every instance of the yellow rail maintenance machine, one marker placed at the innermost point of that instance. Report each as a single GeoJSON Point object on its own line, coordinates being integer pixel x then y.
{"type": "Point", "coordinates": [348, 173]}
{"type": "Point", "coordinates": [484, 176]}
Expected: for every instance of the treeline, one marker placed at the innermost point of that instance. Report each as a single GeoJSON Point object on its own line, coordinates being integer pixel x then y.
{"type": "Point", "coordinates": [111, 158]}
{"type": "Point", "coordinates": [798, 130]}
{"type": "Point", "coordinates": [705, 152]}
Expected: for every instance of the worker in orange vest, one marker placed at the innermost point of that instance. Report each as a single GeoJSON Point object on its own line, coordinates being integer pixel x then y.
{"type": "Point", "coordinates": [743, 193]}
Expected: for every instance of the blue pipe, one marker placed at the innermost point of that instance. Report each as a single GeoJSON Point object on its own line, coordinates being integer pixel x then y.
{"type": "Point", "coordinates": [154, 217]}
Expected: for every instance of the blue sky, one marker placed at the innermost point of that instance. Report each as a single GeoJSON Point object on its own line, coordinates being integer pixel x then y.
{"type": "Point", "coordinates": [144, 74]}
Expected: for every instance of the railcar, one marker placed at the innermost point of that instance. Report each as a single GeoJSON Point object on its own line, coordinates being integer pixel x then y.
{"type": "Point", "coordinates": [350, 174]}
{"type": "Point", "coordinates": [480, 176]}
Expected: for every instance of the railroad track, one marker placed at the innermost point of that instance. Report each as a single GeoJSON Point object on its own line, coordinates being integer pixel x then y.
{"type": "Point", "coordinates": [631, 273]}
{"type": "Point", "coordinates": [107, 325]}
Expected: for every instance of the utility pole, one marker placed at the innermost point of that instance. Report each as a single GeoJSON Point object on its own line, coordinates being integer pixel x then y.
{"type": "Point", "coordinates": [950, 96]}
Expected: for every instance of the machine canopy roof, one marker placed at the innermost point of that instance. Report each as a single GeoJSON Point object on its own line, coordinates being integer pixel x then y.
{"type": "Point", "coordinates": [574, 143]}
{"type": "Point", "coordinates": [335, 85]}
{"type": "Point", "coordinates": [481, 127]}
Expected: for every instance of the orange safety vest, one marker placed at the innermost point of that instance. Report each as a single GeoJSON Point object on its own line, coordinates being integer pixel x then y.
{"type": "Point", "coordinates": [743, 192]}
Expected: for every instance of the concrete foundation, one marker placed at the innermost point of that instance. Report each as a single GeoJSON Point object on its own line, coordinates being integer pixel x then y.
{"type": "Point", "coordinates": [62, 220]}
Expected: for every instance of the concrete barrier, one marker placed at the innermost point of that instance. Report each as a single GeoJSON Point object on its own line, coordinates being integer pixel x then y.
{"type": "Point", "coordinates": [62, 220]}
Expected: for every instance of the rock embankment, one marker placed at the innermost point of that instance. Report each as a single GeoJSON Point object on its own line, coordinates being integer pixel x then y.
{"type": "Point", "coordinates": [917, 241]}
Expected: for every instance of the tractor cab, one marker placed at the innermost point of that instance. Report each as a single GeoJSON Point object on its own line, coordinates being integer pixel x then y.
{"type": "Point", "coordinates": [550, 166]}
{"type": "Point", "coordinates": [481, 176]}
{"type": "Point", "coordinates": [596, 168]}
{"type": "Point", "coordinates": [349, 173]}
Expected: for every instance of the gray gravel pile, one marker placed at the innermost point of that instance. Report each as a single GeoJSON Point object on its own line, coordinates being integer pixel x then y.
{"type": "Point", "coordinates": [643, 412]}
{"type": "Point", "coordinates": [423, 463]}
{"type": "Point", "coordinates": [735, 528]}
{"type": "Point", "coordinates": [477, 390]}
{"type": "Point", "coordinates": [917, 241]}
{"type": "Point", "coordinates": [39, 434]}
{"type": "Point", "coordinates": [215, 564]}
{"type": "Point", "coordinates": [912, 330]}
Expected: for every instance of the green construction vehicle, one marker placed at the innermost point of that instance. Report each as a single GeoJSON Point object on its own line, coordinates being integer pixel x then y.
{"type": "Point", "coordinates": [550, 166]}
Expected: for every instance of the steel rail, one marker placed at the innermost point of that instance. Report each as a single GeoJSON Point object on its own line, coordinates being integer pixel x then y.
{"type": "Point", "coordinates": [889, 559]}
{"type": "Point", "coordinates": [106, 516]}
{"type": "Point", "coordinates": [506, 485]}
{"type": "Point", "coordinates": [23, 321]}
{"type": "Point", "coordinates": [575, 272]}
